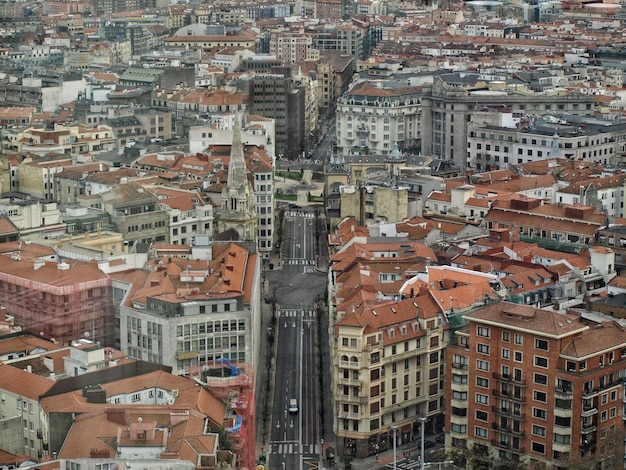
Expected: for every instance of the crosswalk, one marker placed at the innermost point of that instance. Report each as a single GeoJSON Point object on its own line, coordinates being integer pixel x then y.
{"type": "Point", "coordinates": [298, 262]}
{"type": "Point", "coordinates": [305, 215]}
{"type": "Point", "coordinates": [293, 447]}
{"type": "Point", "coordinates": [296, 313]}
{"type": "Point", "coordinates": [405, 464]}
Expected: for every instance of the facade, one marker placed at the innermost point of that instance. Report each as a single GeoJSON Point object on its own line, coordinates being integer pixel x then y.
{"type": "Point", "coordinates": [190, 311]}
{"type": "Point", "coordinates": [60, 300]}
{"type": "Point", "coordinates": [189, 215]}
{"type": "Point", "coordinates": [44, 93]}
{"type": "Point", "coordinates": [21, 417]}
{"type": "Point", "coordinates": [371, 204]}
{"type": "Point", "coordinates": [69, 141]}
{"type": "Point", "coordinates": [537, 386]}
{"type": "Point", "coordinates": [387, 353]}
{"type": "Point", "coordinates": [614, 237]}
{"type": "Point", "coordinates": [277, 96]}
{"type": "Point", "coordinates": [33, 216]}
{"type": "Point", "coordinates": [449, 103]}
{"type": "Point", "coordinates": [373, 117]}
{"type": "Point", "coordinates": [497, 139]}
{"type": "Point", "coordinates": [136, 213]}
{"type": "Point", "coordinates": [293, 47]}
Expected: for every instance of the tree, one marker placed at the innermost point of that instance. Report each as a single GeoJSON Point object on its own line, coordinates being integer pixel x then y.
{"type": "Point", "coordinates": [474, 457]}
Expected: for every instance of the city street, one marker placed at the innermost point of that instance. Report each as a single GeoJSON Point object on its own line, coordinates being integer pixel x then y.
{"type": "Point", "coordinates": [295, 438]}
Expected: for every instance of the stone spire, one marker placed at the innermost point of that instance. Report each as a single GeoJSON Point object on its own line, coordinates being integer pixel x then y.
{"type": "Point", "coordinates": [237, 164]}
{"type": "Point", "coordinates": [555, 151]}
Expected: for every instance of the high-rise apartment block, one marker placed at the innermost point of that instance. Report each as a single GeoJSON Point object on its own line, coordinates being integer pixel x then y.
{"type": "Point", "coordinates": [535, 385]}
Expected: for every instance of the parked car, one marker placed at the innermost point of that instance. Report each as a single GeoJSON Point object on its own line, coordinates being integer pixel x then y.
{"type": "Point", "coordinates": [429, 444]}
{"type": "Point", "coordinates": [440, 439]}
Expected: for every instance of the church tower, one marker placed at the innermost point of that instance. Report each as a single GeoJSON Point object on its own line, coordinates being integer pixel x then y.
{"type": "Point", "coordinates": [238, 212]}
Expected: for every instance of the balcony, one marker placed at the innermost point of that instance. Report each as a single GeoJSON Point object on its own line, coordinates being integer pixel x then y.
{"type": "Point", "coordinates": [460, 387]}
{"type": "Point", "coordinates": [349, 364]}
{"type": "Point", "coordinates": [508, 395]}
{"type": "Point", "coordinates": [458, 366]}
{"type": "Point", "coordinates": [559, 447]}
{"type": "Point", "coordinates": [590, 393]}
{"type": "Point", "coordinates": [508, 430]}
{"type": "Point", "coordinates": [508, 412]}
{"type": "Point", "coordinates": [588, 411]}
{"type": "Point", "coordinates": [564, 393]}
{"type": "Point", "coordinates": [509, 378]}
{"type": "Point", "coordinates": [588, 428]}
{"type": "Point", "coordinates": [352, 382]}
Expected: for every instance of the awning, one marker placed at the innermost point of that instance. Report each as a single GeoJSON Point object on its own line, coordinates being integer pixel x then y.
{"type": "Point", "coordinates": [407, 428]}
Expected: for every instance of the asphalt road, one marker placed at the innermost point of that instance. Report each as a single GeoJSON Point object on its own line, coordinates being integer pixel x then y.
{"type": "Point", "coordinates": [295, 437]}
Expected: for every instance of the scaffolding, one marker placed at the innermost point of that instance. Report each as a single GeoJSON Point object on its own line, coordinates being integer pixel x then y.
{"type": "Point", "coordinates": [233, 382]}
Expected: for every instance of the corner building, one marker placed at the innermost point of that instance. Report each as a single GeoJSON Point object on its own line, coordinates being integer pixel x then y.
{"type": "Point", "coordinates": [538, 386]}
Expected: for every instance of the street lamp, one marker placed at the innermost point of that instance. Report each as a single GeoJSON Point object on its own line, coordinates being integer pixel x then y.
{"type": "Point", "coordinates": [394, 428]}
{"type": "Point", "coordinates": [274, 300]}
{"type": "Point", "coordinates": [423, 459]}
{"type": "Point", "coordinates": [345, 435]}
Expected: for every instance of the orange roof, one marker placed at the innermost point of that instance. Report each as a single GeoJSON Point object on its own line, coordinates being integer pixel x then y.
{"type": "Point", "coordinates": [22, 383]}
{"type": "Point", "coordinates": [541, 322]}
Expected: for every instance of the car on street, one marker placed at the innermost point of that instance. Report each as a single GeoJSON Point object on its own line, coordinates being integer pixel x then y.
{"type": "Point", "coordinates": [429, 444]}
{"type": "Point", "coordinates": [440, 439]}
{"type": "Point", "coordinates": [293, 405]}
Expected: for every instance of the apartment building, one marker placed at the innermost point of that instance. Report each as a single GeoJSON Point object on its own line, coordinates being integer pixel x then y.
{"type": "Point", "coordinates": [33, 216]}
{"type": "Point", "coordinates": [60, 300]}
{"type": "Point", "coordinates": [532, 385]}
{"type": "Point", "coordinates": [189, 215]}
{"type": "Point", "coordinates": [186, 312]}
{"type": "Point", "coordinates": [449, 102]}
{"type": "Point", "coordinates": [280, 97]}
{"type": "Point", "coordinates": [294, 47]}
{"type": "Point", "coordinates": [605, 194]}
{"type": "Point", "coordinates": [20, 411]}
{"type": "Point", "coordinates": [390, 336]}
{"type": "Point", "coordinates": [135, 212]}
{"type": "Point", "coordinates": [44, 93]}
{"type": "Point", "coordinates": [497, 138]}
{"type": "Point", "coordinates": [374, 116]}
{"type": "Point", "coordinates": [614, 237]}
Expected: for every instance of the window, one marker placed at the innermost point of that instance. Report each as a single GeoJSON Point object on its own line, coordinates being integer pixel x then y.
{"type": "Point", "coordinates": [539, 430]}
{"type": "Point", "coordinates": [482, 399]}
{"type": "Point", "coordinates": [519, 339]}
{"type": "Point", "coordinates": [541, 379]}
{"type": "Point", "coordinates": [539, 413]}
{"type": "Point", "coordinates": [539, 448]}
{"type": "Point", "coordinates": [483, 331]}
{"type": "Point", "coordinates": [482, 382]}
{"type": "Point", "coordinates": [506, 336]}
{"type": "Point", "coordinates": [482, 415]}
{"type": "Point", "coordinates": [541, 361]}
{"type": "Point", "coordinates": [459, 428]}
{"type": "Point", "coordinates": [562, 438]}
{"type": "Point", "coordinates": [456, 395]}
{"type": "Point", "coordinates": [482, 348]}
{"type": "Point", "coordinates": [459, 379]}
{"type": "Point", "coordinates": [541, 344]}
{"type": "Point", "coordinates": [517, 356]}
{"type": "Point", "coordinates": [480, 432]}
{"type": "Point", "coordinates": [506, 353]}
{"type": "Point", "coordinates": [482, 365]}
{"type": "Point", "coordinates": [540, 396]}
